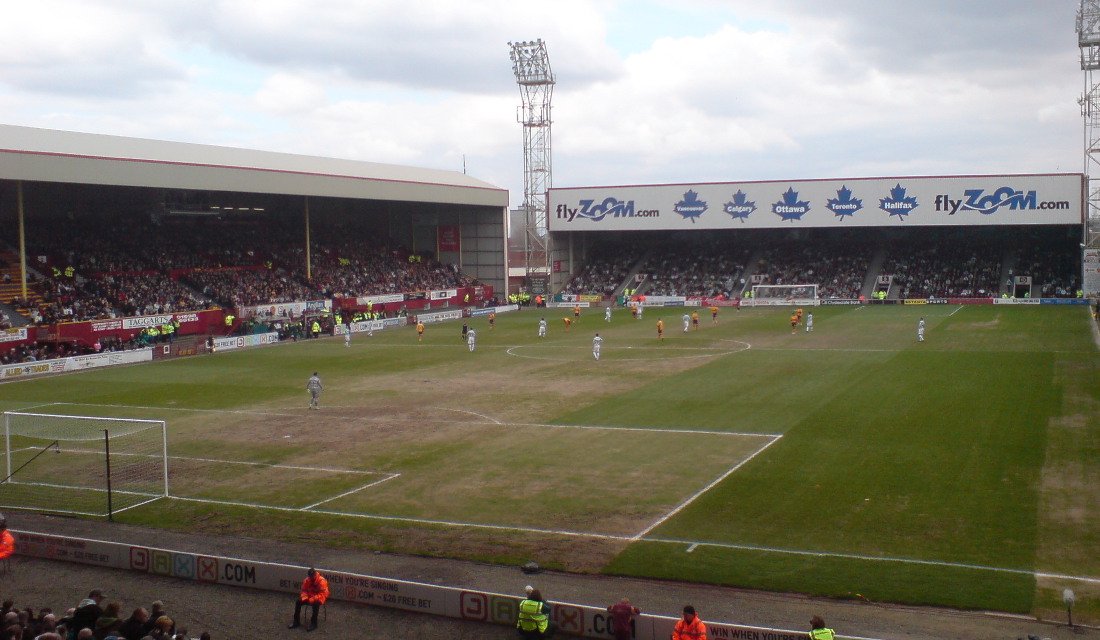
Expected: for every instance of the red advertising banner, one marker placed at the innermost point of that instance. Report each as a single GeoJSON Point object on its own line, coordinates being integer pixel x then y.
{"type": "Point", "coordinates": [448, 238]}
{"type": "Point", "coordinates": [191, 322]}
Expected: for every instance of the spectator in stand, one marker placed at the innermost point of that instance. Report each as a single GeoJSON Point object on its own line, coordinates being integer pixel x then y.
{"type": "Point", "coordinates": [134, 626]}
{"type": "Point", "coordinates": [109, 622]}
{"type": "Point", "coordinates": [87, 612]}
{"type": "Point", "coordinates": [163, 628]}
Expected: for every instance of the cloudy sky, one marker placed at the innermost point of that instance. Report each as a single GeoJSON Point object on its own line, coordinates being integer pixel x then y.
{"type": "Point", "coordinates": [647, 91]}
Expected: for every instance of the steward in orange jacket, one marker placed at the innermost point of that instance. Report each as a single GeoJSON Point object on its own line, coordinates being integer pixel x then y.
{"type": "Point", "coordinates": [7, 541]}
{"type": "Point", "coordinates": [314, 593]}
{"type": "Point", "coordinates": [690, 627]}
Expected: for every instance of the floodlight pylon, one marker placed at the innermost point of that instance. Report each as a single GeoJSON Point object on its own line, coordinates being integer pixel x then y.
{"type": "Point", "coordinates": [531, 65]}
{"type": "Point", "coordinates": [1088, 40]}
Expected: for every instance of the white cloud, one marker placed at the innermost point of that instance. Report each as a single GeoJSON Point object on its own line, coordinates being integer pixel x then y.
{"type": "Point", "coordinates": [286, 94]}
{"type": "Point", "coordinates": [734, 90]}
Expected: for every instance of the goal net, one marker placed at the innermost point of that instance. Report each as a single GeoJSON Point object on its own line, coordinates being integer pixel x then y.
{"type": "Point", "coordinates": [780, 294]}
{"type": "Point", "coordinates": [82, 465]}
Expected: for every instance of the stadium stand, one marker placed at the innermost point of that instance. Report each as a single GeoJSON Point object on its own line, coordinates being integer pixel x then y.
{"type": "Point", "coordinates": [838, 267]}
{"type": "Point", "coordinates": [605, 271]}
{"type": "Point", "coordinates": [709, 267]}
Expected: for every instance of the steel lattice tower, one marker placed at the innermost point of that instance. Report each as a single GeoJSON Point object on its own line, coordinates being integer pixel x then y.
{"type": "Point", "coordinates": [1088, 39]}
{"type": "Point", "coordinates": [536, 84]}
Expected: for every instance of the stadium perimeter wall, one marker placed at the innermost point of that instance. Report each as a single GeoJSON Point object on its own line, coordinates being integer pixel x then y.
{"type": "Point", "coordinates": [478, 606]}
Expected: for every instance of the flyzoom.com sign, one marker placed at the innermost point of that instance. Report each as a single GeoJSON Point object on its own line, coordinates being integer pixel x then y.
{"type": "Point", "coordinates": [852, 202]}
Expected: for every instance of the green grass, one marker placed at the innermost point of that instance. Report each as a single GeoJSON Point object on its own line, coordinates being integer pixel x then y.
{"type": "Point", "coordinates": [851, 460]}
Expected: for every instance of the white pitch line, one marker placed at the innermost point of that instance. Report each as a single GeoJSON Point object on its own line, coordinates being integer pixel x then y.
{"type": "Point", "coordinates": [856, 556]}
{"type": "Point", "coordinates": [271, 465]}
{"type": "Point", "coordinates": [473, 413]}
{"type": "Point", "coordinates": [856, 350]}
{"type": "Point", "coordinates": [367, 516]}
{"type": "Point", "coordinates": [957, 309]}
{"type": "Point", "coordinates": [348, 493]}
{"type": "Point", "coordinates": [645, 429]}
{"type": "Point", "coordinates": [134, 406]}
{"type": "Point", "coordinates": [717, 352]}
{"type": "Point", "coordinates": [700, 492]}
{"type": "Point", "coordinates": [628, 538]}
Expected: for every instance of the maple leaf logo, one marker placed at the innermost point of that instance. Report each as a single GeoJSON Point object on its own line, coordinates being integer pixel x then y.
{"type": "Point", "coordinates": [898, 204]}
{"type": "Point", "coordinates": [844, 204]}
{"type": "Point", "coordinates": [691, 207]}
{"type": "Point", "coordinates": [790, 207]}
{"type": "Point", "coordinates": [740, 207]}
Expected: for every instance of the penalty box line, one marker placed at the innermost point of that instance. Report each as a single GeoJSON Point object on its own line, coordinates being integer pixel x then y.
{"type": "Point", "coordinates": [695, 496]}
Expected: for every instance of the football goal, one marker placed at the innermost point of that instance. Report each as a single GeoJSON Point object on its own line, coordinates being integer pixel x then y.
{"type": "Point", "coordinates": [781, 294]}
{"type": "Point", "coordinates": [82, 464]}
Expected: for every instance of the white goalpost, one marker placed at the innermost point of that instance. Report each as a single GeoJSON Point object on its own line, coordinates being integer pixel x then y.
{"type": "Point", "coordinates": [785, 294]}
{"type": "Point", "coordinates": [82, 465]}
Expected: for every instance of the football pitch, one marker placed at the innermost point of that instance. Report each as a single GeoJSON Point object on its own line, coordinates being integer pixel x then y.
{"type": "Point", "coordinates": [851, 461]}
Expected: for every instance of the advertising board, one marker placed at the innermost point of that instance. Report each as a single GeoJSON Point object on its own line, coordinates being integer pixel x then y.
{"type": "Point", "coordinates": [900, 201]}
{"type": "Point", "coordinates": [475, 605]}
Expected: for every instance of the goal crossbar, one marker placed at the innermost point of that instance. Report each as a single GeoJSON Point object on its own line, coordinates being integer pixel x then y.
{"type": "Point", "coordinates": [103, 465]}
{"type": "Point", "coordinates": [785, 294]}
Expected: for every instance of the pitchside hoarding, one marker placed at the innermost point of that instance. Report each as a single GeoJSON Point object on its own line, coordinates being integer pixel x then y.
{"type": "Point", "coordinates": [849, 202]}
{"type": "Point", "coordinates": [572, 620]}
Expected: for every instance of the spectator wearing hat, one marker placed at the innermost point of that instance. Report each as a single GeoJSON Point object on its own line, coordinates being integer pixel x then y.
{"type": "Point", "coordinates": [314, 593]}
{"type": "Point", "coordinates": [87, 612]}
{"type": "Point", "coordinates": [689, 627]}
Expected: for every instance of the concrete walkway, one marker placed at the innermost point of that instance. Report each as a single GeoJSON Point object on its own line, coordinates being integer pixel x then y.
{"type": "Point", "coordinates": [220, 608]}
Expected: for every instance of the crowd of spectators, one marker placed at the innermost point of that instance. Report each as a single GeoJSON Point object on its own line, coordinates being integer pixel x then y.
{"type": "Point", "coordinates": [605, 271]}
{"type": "Point", "coordinates": [837, 267]}
{"type": "Point", "coordinates": [1053, 264]}
{"type": "Point", "coordinates": [708, 268]}
{"type": "Point", "coordinates": [247, 287]}
{"type": "Point", "coordinates": [38, 352]}
{"type": "Point", "coordinates": [117, 265]}
{"type": "Point", "coordinates": [124, 264]}
{"type": "Point", "coordinates": [923, 263]}
{"type": "Point", "coordinates": [961, 267]}
{"type": "Point", "coordinates": [93, 618]}
{"type": "Point", "coordinates": [352, 268]}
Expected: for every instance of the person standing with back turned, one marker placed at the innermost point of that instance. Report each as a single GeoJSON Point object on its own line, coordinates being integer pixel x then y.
{"type": "Point", "coordinates": [314, 387]}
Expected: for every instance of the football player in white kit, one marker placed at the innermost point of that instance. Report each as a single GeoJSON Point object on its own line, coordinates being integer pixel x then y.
{"type": "Point", "coordinates": [597, 342]}
{"type": "Point", "coordinates": [542, 327]}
